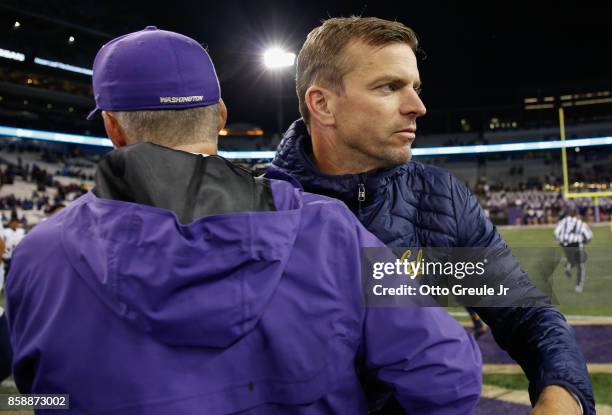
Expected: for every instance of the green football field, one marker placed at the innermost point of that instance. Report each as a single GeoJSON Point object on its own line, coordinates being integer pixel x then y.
{"type": "Point", "coordinates": [543, 236]}
{"type": "Point", "coordinates": [542, 258]}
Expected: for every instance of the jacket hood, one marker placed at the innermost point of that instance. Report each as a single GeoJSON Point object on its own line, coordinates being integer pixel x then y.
{"type": "Point", "coordinates": [293, 156]}
{"type": "Point", "coordinates": [204, 283]}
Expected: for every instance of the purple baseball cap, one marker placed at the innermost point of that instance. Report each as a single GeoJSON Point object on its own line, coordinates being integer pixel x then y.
{"type": "Point", "coordinates": [153, 70]}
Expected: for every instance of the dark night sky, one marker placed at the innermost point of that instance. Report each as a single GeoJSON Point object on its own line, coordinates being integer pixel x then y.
{"type": "Point", "coordinates": [478, 53]}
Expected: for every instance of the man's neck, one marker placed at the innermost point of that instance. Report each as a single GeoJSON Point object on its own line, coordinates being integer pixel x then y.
{"type": "Point", "coordinates": [331, 158]}
{"type": "Point", "coordinates": [208, 149]}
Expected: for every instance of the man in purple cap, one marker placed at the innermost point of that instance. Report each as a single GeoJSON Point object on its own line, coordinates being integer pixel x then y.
{"type": "Point", "coordinates": [183, 284]}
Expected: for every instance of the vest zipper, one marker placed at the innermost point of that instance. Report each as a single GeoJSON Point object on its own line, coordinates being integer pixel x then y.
{"type": "Point", "coordinates": [361, 199]}
{"type": "Point", "coordinates": [361, 192]}
{"type": "Point", "coordinates": [361, 196]}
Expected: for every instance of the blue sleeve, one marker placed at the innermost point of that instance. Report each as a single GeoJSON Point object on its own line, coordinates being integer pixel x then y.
{"type": "Point", "coordinates": [538, 338]}
{"type": "Point", "coordinates": [422, 354]}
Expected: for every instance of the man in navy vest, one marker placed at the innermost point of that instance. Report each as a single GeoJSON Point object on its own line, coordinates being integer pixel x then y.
{"type": "Point", "coordinates": [358, 88]}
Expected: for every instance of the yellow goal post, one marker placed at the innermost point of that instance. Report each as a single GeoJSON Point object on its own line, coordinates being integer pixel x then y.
{"type": "Point", "coordinates": [566, 191]}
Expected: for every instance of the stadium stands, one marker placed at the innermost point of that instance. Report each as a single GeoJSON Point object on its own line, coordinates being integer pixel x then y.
{"type": "Point", "coordinates": [34, 181]}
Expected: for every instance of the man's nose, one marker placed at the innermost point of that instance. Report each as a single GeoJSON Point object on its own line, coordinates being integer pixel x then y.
{"type": "Point", "coordinates": [413, 105]}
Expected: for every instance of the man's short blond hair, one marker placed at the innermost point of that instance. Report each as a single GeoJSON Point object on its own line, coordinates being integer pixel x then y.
{"type": "Point", "coordinates": [322, 61]}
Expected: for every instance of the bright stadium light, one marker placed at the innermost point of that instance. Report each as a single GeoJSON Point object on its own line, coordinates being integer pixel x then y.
{"type": "Point", "coordinates": [275, 58]}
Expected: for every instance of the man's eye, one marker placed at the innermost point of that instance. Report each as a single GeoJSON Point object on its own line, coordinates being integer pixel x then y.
{"type": "Point", "coordinates": [388, 87]}
{"type": "Point", "coordinates": [418, 90]}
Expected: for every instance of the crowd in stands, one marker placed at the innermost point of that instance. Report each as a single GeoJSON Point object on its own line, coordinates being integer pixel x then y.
{"type": "Point", "coordinates": [540, 207]}
{"type": "Point", "coordinates": [42, 201]}
{"type": "Point", "coordinates": [34, 183]}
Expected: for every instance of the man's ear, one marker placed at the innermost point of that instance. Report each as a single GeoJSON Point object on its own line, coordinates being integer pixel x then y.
{"type": "Point", "coordinates": [318, 100]}
{"type": "Point", "coordinates": [114, 130]}
{"type": "Point", "coordinates": [222, 116]}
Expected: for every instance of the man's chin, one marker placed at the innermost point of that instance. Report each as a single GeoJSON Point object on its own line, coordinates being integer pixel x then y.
{"type": "Point", "coordinates": [398, 158]}
{"type": "Point", "coordinates": [404, 155]}
{"type": "Point", "coordinates": [408, 155]}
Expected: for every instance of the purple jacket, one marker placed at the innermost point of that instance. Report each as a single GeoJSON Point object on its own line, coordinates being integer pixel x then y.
{"type": "Point", "coordinates": [130, 310]}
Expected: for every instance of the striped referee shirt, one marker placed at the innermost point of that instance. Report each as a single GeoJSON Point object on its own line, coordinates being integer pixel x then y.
{"type": "Point", "coordinates": [571, 230]}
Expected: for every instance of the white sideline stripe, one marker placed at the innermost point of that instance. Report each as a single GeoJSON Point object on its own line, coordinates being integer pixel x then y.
{"type": "Point", "coordinates": [567, 316]}
{"type": "Point", "coordinates": [507, 395]}
{"type": "Point", "coordinates": [513, 369]}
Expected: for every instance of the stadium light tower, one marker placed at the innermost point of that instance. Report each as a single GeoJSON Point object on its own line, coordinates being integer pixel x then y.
{"type": "Point", "coordinates": [277, 59]}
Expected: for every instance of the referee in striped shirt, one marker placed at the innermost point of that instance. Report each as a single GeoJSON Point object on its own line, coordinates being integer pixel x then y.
{"type": "Point", "coordinates": [572, 233]}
